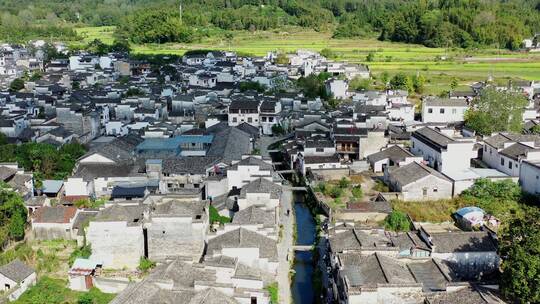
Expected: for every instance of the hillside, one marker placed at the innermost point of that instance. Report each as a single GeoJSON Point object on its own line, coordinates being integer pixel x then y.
{"type": "Point", "coordinates": [442, 23]}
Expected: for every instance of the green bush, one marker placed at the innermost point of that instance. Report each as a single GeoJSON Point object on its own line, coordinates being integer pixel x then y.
{"type": "Point", "coordinates": [335, 192]}
{"type": "Point", "coordinates": [344, 183]}
{"type": "Point", "coordinates": [84, 252]}
{"type": "Point", "coordinates": [357, 192]}
{"type": "Point", "coordinates": [145, 264]}
{"type": "Point", "coordinates": [273, 290]}
{"type": "Point", "coordinates": [397, 221]}
{"type": "Point", "coordinates": [215, 217]}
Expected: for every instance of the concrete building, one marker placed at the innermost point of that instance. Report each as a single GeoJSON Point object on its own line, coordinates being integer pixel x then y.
{"type": "Point", "coordinates": [116, 236]}
{"type": "Point", "coordinates": [442, 152]}
{"type": "Point", "coordinates": [437, 110]}
{"type": "Point", "coordinates": [15, 278]}
{"type": "Point", "coordinates": [418, 182]}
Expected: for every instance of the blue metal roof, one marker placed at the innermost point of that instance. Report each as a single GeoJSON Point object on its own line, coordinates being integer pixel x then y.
{"type": "Point", "coordinates": [52, 186]}
{"type": "Point", "coordinates": [171, 144]}
{"type": "Point", "coordinates": [470, 209]}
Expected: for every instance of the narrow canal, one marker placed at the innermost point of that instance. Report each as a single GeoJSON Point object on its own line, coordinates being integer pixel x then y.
{"type": "Point", "coordinates": [304, 266]}
{"type": "Point", "coordinates": [302, 284]}
{"type": "Point", "coordinates": [302, 287]}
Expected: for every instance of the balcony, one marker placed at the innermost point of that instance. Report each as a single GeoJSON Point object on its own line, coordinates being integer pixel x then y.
{"type": "Point", "coordinates": [350, 150]}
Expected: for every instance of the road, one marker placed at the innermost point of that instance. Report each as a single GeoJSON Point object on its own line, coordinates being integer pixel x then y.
{"type": "Point", "coordinates": [284, 246]}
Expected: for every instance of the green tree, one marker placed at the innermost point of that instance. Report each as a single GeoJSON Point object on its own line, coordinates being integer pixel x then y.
{"type": "Point", "coordinates": [496, 111]}
{"type": "Point", "coordinates": [418, 83]}
{"type": "Point", "coordinates": [328, 53]}
{"type": "Point", "coordinates": [500, 198]}
{"type": "Point", "coordinates": [519, 249]}
{"type": "Point", "coordinates": [16, 85]}
{"type": "Point", "coordinates": [454, 83]}
{"type": "Point", "coordinates": [370, 57]}
{"type": "Point", "coordinates": [357, 192]}
{"type": "Point", "coordinates": [358, 83]}
{"type": "Point", "coordinates": [397, 221]}
{"type": "Point", "coordinates": [400, 81]}
{"type": "Point", "coordinates": [282, 58]}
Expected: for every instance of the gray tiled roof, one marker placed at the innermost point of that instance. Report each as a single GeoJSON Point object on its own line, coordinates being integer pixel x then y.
{"type": "Point", "coordinates": [189, 165]}
{"type": "Point", "coordinates": [374, 269]}
{"type": "Point", "coordinates": [92, 171]}
{"type": "Point", "coordinates": [498, 140]}
{"type": "Point", "coordinates": [449, 242]}
{"type": "Point", "coordinates": [16, 271]}
{"type": "Point", "coordinates": [243, 238]}
{"type": "Point", "coordinates": [444, 102]}
{"type": "Point", "coordinates": [254, 215]}
{"type": "Point", "coordinates": [261, 185]}
{"type": "Point", "coordinates": [252, 161]}
{"type": "Point", "coordinates": [6, 172]}
{"type": "Point", "coordinates": [230, 144]}
{"type": "Point", "coordinates": [132, 214]}
{"type": "Point", "coordinates": [393, 153]}
{"type": "Point", "coordinates": [413, 172]}
{"type": "Point", "coordinates": [516, 151]}
{"type": "Point", "coordinates": [432, 137]}
{"type": "Point", "coordinates": [354, 239]}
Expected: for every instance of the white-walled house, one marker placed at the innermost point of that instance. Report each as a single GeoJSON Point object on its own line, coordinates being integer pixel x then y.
{"type": "Point", "coordinates": [436, 110]}
{"type": "Point", "coordinates": [116, 236]}
{"type": "Point", "coordinates": [418, 182]}
{"type": "Point", "coordinates": [391, 156]}
{"type": "Point", "coordinates": [505, 151]}
{"type": "Point", "coordinates": [442, 152]}
{"type": "Point", "coordinates": [246, 171]}
{"type": "Point", "coordinates": [337, 88]}
{"type": "Point", "coordinates": [529, 176]}
{"type": "Point", "coordinates": [15, 278]}
{"type": "Point", "coordinates": [260, 192]}
{"type": "Point", "coordinates": [250, 248]}
{"type": "Point", "coordinates": [241, 111]}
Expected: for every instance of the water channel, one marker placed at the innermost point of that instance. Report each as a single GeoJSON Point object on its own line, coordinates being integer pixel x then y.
{"type": "Point", "coordinates": [304, 267]}
{"type": "Point", "coordinates": [302, 284]}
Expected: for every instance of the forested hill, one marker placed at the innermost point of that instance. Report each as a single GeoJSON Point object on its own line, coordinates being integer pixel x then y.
{"type": "Point", "coordinates": [465, 23]}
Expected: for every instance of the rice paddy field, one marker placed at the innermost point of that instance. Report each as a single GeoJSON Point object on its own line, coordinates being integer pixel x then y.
{"type": "Point", "coordinates": [438, 65]}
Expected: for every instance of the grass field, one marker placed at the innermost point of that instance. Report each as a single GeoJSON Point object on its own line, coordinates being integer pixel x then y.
{"type": "Point", "coordinates": [438, 65]}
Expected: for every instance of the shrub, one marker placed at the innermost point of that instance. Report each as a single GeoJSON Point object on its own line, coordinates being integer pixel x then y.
{"type": "Point", "coordinates": [215, 217]}
{"type": "Point", "coordinates": [145, 264]}
{"type": "Point", "coordinates": [84, 252]}
{"type": "Point", "coordinates": [335, 192]}
{"type": "Point", "coordinates": [397, 221]}
{"type": "Point", "coordinates": [344, 183]}
{"type": "Point", "coordinates": [357, 192]}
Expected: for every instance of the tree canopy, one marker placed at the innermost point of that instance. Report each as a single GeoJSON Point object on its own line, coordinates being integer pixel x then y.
{"type": "Point", "coordinates": [496, 111]}
{"type": "Point", "coordinates": [461, 23]}
{"type": "Point", "coordinates": [519, 249]}
{"type": "Point", "coordinates": [12, 215]}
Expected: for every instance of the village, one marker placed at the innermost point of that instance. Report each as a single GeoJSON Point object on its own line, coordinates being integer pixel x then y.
{"type": "Point", "coordinates": [189, 170]}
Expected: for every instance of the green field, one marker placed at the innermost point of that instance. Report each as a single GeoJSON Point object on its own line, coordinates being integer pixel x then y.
{"type": "Point", "coordinates": [438, 65]}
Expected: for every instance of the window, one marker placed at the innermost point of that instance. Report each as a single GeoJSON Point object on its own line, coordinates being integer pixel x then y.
{"type": "Point", "coordinates": [234, 119]}
{"type": "Point", "coordinates": [263, 119]}
{"type": "Point", "coordinates": [250, 119]}
{"type": "Point", "coordinates": [253, 300]}
{"type": "Point", "coordinates": [182, 185]}
{"type": "Point", "coordinates": [430, 110]}
{"type": "Point", "coordinates": [509, 165]}
{"type": "Point", "coordinates": [441, 111]}
{"type": "Point", "coordinates": [195, 185]}
{"type": "Point", "coordinates": [319, 150]}
{"type": "Point", "coordinates": [424, 191]}
{"type": "Point", "coordinates": [502, 161]}
{"type": "Point", "coordinates": [270, 119]}
{"type": "Point", "coordinates": [454, 111]}
{"type": "Point", "coordinates": [435, 190]}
